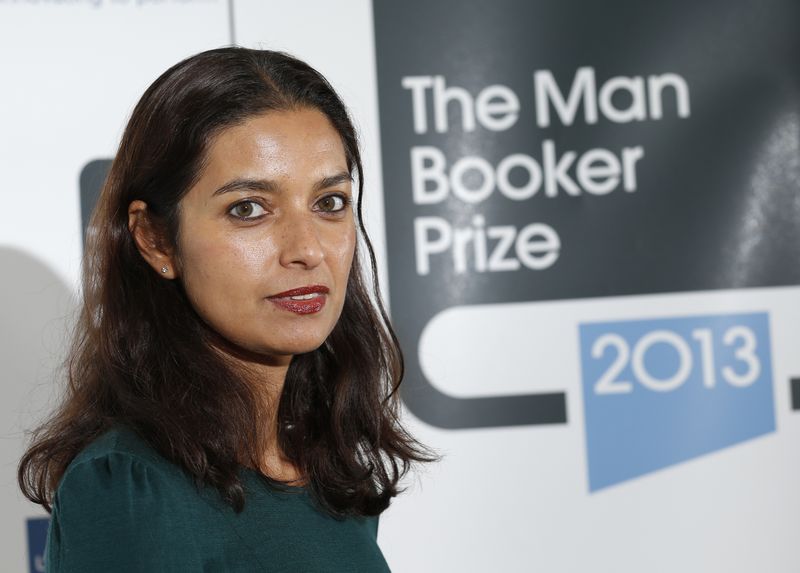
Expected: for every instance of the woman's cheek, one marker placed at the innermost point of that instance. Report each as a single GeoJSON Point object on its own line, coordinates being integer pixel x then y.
{"type": "Point", "coordinates": [205, 264]}
{"type": "Point", "coordinates": [227, 257]}
{"type": "Point", "coordinates": [343, 245]}
{"type": "Point", "coordinates": [254, 254]}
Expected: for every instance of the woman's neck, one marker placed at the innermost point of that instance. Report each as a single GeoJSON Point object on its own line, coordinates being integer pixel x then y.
{"type": "Point", "coordinates": [267, 376]}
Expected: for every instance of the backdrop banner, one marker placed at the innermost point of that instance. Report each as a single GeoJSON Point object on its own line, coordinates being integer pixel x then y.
{"type": "Point", "coordinates": [600, 199]}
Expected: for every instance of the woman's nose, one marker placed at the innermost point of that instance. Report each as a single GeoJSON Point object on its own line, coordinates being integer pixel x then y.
{"type": "Point", "coordinates": [300, 242]}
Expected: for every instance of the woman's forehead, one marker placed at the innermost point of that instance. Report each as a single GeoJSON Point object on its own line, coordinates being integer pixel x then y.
{"type": "Point", "coordinates": [269, 133]}
{"type": "Point", "coordinates": [297, 144]}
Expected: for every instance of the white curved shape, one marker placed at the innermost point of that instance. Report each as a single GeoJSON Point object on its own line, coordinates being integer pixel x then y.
{"type": "Point", "coordinates": [494, 349]}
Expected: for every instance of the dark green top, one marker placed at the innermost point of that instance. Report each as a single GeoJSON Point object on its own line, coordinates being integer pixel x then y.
{"type": "Point", "coordinates": [122, 507]}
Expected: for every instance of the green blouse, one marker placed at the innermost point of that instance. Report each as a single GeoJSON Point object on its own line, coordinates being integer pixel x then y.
{"type": "Point", "coordinates": [122, 507]}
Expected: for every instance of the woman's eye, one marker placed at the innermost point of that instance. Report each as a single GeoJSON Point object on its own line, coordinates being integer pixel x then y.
{"type": "Point", "coordinates": [333, 203]}
{"type": "Point", "coordinates": [247, 210]}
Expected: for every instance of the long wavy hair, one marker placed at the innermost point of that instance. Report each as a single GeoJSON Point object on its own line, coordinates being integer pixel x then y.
{"type": "Point", "coordinates": [141, 355]}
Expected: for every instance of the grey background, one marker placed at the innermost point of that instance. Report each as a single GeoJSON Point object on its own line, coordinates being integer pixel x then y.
{"type": "Point", "coordinates": [718, 195]}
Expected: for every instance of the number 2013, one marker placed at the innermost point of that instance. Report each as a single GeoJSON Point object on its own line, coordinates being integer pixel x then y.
{"type": "Point", "coordinates": [740, 338]}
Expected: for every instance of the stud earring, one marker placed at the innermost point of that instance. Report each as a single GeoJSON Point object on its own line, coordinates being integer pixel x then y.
{"type": "Point", "coordinates": [164, 269]}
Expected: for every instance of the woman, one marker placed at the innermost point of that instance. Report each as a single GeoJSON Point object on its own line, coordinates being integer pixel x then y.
{"type": "Point", "coordinates": [232, 396]}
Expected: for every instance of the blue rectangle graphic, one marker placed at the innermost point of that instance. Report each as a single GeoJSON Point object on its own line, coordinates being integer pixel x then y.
{"type": "Point", "coordinates": [37, 538]}
{"type": "Point", "coordinates": [659, 392]}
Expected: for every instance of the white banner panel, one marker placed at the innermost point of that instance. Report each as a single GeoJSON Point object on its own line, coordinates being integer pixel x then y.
{"type": "Point", "coordinates": [72, 72]}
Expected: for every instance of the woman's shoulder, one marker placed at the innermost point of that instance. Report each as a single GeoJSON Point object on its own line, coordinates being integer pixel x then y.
{"type": "Point", "coordinates": [120, 440]}
{"type": "Point", "coordinates": [115, 506]}
{"type": "Point", "coordinates": [119, 459]}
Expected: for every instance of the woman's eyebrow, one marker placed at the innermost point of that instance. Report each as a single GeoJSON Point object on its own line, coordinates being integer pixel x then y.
{"type": "Point", "coordinates": [253, 184]}
{"type": "Point", "coordinates": [333, 180]}
{"type": "Point", "coordinates": [268, 186]}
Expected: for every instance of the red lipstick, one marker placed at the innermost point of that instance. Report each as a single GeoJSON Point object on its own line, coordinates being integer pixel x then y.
{"type": "Point", "coordinates": [303, 300]}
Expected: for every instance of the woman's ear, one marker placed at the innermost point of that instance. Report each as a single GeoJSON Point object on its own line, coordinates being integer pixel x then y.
{"type": "Point", "coordinates": [150, 241]}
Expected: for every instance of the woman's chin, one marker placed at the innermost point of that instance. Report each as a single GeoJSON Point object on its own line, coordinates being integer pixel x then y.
{"type": "Point", "coordinates": [278, 353]}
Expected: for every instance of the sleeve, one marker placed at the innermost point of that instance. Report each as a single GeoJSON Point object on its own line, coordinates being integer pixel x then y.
{"type": "Point", "coordinates": [113, 513]}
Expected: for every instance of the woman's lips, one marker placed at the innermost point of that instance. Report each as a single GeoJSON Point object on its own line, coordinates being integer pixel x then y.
{"type": "Point", "coordinates": [303, 300]}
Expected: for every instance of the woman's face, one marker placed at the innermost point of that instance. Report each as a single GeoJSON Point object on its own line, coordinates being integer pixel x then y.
{"type": "Point", "coordinates": [267, 235]}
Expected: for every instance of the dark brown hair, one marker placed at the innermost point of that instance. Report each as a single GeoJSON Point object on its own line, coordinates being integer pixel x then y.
{"type": "Point", "coordinates": [142, 357]}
